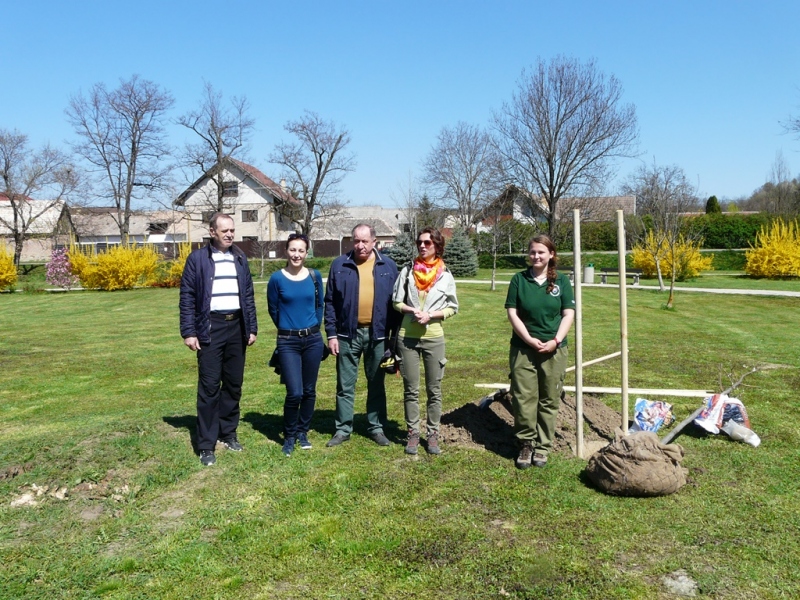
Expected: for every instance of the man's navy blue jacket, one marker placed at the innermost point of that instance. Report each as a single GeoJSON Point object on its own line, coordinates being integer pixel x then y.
{"type": "Point", "coordinates": [195, 302]}
{"type": "Point", "coordinates": [341, 297]}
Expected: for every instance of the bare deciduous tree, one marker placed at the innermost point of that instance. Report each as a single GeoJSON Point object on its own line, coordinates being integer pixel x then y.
{"type": "Point", "coordinates": [782, 199]}
{"type": "Point", "coordinates": [406, 198]}
{"type": "Point", "coordinates": [664, 194]}
{"type": "Point", "coordinates": [224, 132]}
{"type": "Point", "coordinates": [463, 170]}
{"type": "Point", "coordinates": [122, 138]}
{"type": "Point", "coordinates": [33, 181]}
{"type": "Point", "coordinates": [561, 131]}
{"type": "Point", "coordinates": [313, 165]}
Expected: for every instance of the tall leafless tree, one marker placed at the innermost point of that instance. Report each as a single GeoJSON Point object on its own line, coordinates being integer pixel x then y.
{"type": "Point", "coordinates": [664, 195]}
{"type": "Point", "coordinates": [782, 199]}
{"type": "Point", "coordinates": [314, 165]}
{"type": "Point", "coordinates": [406, 197]}
{"type": "Point", "coordinates": [562, 130]}
{"type": "Point", "coordinates": [122, 138]}
{"type": "Point", "coordinates": [224, 131]}
{"type": "Point", "coordinates": [463, 170]}
{"type": "Point", "coordinates": [33, 181]}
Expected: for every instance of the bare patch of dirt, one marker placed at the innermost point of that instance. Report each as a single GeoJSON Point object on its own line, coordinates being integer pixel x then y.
{"type": "Point", "coordinates": [111, 486]}
{"type": "Point", "coordinates": [92, 513]}
{"type": "Point", "coordinates": [14, 470]}
{"type": "Point", "coordinates": [492, 428]}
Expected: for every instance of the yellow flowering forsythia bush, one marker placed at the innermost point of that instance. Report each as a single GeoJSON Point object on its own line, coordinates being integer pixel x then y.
{"type": "Point", "coordinates": [687, 258]}
{"type": "Point", "coordinates": [120, 268]}
{"type": "Point", "coordinates": [176, 268]}
{"type": "Point", "coordinates": [8, 270]}
{"type": "Point", "coordinates": [777, 251]}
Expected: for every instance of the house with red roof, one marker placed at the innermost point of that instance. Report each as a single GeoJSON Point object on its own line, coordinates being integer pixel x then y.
{"type": "Point", "coordinates": [250, 197]}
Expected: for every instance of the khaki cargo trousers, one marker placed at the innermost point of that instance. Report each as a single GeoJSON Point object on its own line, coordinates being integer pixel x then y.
{"type": "Point", "coordinates": [536, 383]}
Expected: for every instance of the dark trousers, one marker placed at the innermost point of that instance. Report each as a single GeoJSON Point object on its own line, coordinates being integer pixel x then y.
{"type": "Point", "coordinates": [220, 368]}
{"type": "Point", "coordinates": [299, 358]}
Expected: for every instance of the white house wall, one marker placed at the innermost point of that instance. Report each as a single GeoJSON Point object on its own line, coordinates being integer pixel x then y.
{"type": "Point", "coordinates": [204, 198]}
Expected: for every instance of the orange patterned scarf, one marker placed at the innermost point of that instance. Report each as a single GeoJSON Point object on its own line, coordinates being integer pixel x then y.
{"type": "Point", "coordinates": [426, 274]}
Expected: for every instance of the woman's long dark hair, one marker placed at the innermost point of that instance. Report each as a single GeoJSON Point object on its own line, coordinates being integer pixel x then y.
{"type": "Point", "coordinates": [551, 264]}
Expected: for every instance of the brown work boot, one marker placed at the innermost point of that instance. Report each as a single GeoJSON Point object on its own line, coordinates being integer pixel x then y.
{"type": "Point", "coordinates": [413, 442]}
{"type": "Point", "coordinates": [525, 456]}
{"type": "Point", "coordinates": [539, 460]}
{"type": "Point", "coordinates": [433, 443]}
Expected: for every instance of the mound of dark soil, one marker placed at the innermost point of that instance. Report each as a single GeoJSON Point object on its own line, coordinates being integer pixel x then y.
{"type": "Point", "coordinates": [491, 428]}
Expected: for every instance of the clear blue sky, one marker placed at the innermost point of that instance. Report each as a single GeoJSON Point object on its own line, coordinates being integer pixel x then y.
{"type": "Point", "coordinates": [711, 81]}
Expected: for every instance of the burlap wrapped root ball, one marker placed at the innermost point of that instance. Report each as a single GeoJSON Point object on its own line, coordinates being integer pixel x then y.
{"type": "Point", "coordinates": [638, 465]}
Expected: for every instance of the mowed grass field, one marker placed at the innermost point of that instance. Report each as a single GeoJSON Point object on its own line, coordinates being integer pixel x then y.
{"type": "Point", "coordinates": [97, 396]}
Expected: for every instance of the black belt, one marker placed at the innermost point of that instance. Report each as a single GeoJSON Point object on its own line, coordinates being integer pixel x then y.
{"type": "Point", "coordinates": [227, 316]}
{"type": "Point", "coordinates": [300, 332]}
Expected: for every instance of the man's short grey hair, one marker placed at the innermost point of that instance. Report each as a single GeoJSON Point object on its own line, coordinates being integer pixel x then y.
{"type": "Point", "coordinates": [212, 222]}
{"type": "Point", "coordinates": [372, 233]}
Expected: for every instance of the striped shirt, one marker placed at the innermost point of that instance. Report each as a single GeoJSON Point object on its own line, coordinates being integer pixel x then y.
{"type": "Point", "coordinates": [225, 289]}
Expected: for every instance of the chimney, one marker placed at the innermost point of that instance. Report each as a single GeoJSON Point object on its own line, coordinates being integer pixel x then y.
{"type": "Point", "coordinates": [283, 185]}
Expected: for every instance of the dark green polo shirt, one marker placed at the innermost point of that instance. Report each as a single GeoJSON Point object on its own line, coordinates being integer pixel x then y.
{"type": "Point", "coordinates": [538, 310]}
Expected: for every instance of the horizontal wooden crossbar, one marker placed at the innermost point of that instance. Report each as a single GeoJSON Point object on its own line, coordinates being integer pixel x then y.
{"type": "Point", "coordinates": [615, 390]}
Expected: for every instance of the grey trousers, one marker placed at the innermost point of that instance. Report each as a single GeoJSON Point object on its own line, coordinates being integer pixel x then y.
{"type": "Point", "coordinates": [431, 353]}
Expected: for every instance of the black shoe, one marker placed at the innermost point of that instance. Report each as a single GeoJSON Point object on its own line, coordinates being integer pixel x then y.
{"type": "Point", "coordinates": [232, 444]}
{"type": "Point", "coordinates": [207, 458]}
{"type": "Point", "coordinates": [380, 439]}
{"type": "Point", "coordinates": [338, 439]}
{"type": "Point", "coordinates": [288, 446]}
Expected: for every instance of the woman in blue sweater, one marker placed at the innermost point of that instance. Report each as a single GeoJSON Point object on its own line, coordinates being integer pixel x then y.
{"type": "Point", "coordinates": [295, 301]}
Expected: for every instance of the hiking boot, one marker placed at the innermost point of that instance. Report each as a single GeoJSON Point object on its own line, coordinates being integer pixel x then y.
{"type": "Point", "coordinates": [380, 439]}
{"type": "Point", "coordinates": [525, 456]}
{"type": "Point", "coordinates": [338, 439]}
{"type": "Point", "coordinates": [288, 446]}
{"type": "Point", "coordinates": [232, 444]}
{"type": "Point", "coordinates": [302, 441]}
{"type": "Point", "coordinates": [433, 444]}
{"type": "Point", "coordinates": [539, 460]}
{"type": "Point", "coordinates": [413, 442]}
{"type": "Point", "coordinates": [207, 458]}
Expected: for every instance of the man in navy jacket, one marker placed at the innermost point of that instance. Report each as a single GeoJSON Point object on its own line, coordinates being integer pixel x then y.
{"type": "Point", "coordinates": [358, 318]}
{"type": "Point", "coordinates": [218, 321]}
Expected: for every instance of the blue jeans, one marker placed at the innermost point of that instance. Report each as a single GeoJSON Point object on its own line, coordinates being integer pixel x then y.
{"type": "Point", "coordinates": [350, 352]}
{"type": "Point", "coordinates": [299, 358]}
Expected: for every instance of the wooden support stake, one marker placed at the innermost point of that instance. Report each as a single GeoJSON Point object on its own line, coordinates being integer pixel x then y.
{"type": "Point", "coordinates": [596, 360]}
{"type": "Point", "coordinates": [576, 250]}
{"type": "Point", "coordinates": [623, 319]}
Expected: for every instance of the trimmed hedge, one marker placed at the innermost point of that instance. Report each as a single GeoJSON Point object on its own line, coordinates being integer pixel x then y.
{"type": "Point", "coordinates": [728, 231]}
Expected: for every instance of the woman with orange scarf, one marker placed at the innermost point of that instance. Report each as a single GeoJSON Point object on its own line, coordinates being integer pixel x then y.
{"type": "Point", "coordinates": [425, 293]}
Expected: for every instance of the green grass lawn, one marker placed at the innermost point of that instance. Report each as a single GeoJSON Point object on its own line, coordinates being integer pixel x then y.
{"type": "Point", "coordinates": [97, 395]}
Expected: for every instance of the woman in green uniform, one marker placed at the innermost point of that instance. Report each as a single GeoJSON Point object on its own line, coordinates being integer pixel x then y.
{"type": "Point", "coordinates": [541, 309]}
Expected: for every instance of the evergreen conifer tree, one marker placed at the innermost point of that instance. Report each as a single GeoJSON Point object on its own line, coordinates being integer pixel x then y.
{"type": "Point", "coordinates": [403, 251]}
{"type": "Point", "coordinates": [459, 255]}
{"type": "Point", "coordinates": [712, 206]}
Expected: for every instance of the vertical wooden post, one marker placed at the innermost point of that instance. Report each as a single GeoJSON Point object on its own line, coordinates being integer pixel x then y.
{"type": "Point", "coordinates": [576, 250]}
{"type": "Point", "coordinates": [623, 318]}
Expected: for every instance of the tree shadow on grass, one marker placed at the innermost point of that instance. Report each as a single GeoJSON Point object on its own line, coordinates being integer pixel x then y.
{"type": "Point", "coordinates": [188, 422]}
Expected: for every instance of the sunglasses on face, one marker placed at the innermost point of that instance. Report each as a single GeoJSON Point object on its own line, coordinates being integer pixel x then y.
{"type": "Point", "coordinates": [425, 243]}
